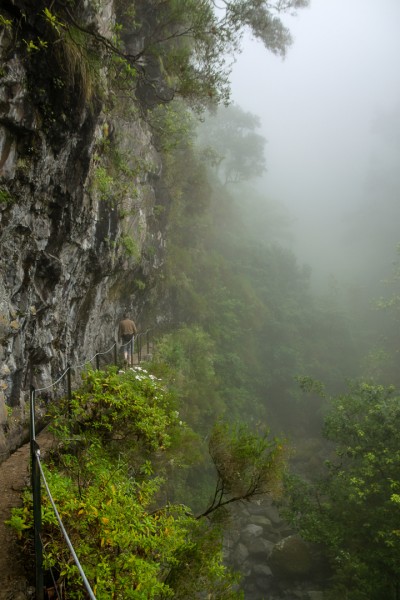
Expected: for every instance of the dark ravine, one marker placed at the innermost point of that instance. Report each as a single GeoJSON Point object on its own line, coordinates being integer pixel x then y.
{"type": "Point", "coordinates": [70, 255]}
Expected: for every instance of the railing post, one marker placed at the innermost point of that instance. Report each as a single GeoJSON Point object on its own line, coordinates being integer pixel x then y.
{"type": "Point", "coordinates": [37, 505]}
{"type": "Point", "coordinates": [139, 348]}
{"type": "Point", "coordinates": [69, 389]}
{"type": "Point", "coordinates": [97, 362]}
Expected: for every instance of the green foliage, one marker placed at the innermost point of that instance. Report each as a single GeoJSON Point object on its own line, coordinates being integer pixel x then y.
{"type": "Point", "coordinates": [307, 384]}
{"type": "Point", "coordinates": [140, 285]}
{"type": "Point", "coordinates": [4, 22]}
{"type": "Point", "coordinates": [248, 464]}
{"type": "Point", "coordinates": [392, 303]}
{"type": "Point", "coordinates": [188, 355]}
{"type": "Point", "coordinates": [104, 183]}
{"type": "Point", "coordinates": [35, 45]}
{"type": "Point", "coordinates": [19, 521]}
{"type": "Point", "coordinates": [234, 147]}
{"type": "Point", "coordinates": [183, 49]}
{"type": "Point", "coordinates": [5, 197]}
{"type": "Point", "coordinates": [255, 303]}
{"type": "Point", "coordinates": [65, 52]}
{"type": "Point", "coordinates": [173, 125]}
{"type": "Point", "coordinates": [249, 296]}
{"type": "Point", "coordinates": [114, 178]}
{"type": "Point", "coordinates": [78, 59]}
{"type": "Point", "coordinates": [381, 345]}
{"type": "Point", "coordinates": [133, 406]}
{"type": "Point", "coordinates": [130, 246]}
{"type": "Point", "coordinates": [353, 510]}
{"type": "Point", "coordinates": [189, 44]}
{"type": "Point", "coordinates": [53, 21]}
{"type": "Point", "coordinates": [183, 42]}
{"type": "Point", "coordinates": [118, 435]}
{"type": "Point", "coordinates": [262, 19]}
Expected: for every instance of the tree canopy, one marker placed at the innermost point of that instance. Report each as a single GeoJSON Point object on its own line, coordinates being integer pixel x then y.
{"type": "Point", "coordinates": [232, 144]}
{"type": "Point", "coordinates": [188, 45]}
{"type": "Point", "coordinates": [168, 48]}
{"type": "Point", "coordinates": [354, 508]}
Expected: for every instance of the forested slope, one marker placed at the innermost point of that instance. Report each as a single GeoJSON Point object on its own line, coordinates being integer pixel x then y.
{"type": "Point", "coordinates": [124, 188]}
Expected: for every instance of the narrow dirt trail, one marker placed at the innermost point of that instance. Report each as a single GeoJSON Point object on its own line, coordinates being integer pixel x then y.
{"type": "Point", "coordinates": [14, 477]}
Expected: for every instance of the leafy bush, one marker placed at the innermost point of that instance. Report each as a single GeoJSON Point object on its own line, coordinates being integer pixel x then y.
{"type": "Point", "coordinates": [119, 429]}
{"type": "Point", "coordinates": [354, 508]}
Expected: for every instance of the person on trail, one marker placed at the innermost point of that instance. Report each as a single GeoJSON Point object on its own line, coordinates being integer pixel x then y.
{"type": "Point", "coordinates": [126, 332]}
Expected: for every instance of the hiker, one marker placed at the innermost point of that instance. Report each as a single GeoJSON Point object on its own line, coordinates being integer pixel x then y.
{"type": "Point", "coordinates": [126, 332]}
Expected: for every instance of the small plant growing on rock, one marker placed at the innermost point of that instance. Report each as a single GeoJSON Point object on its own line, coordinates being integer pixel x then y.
{"type": "Point", "coordinates": [5, 197]}
{"type": "Point", "coordinates": [130, 246]}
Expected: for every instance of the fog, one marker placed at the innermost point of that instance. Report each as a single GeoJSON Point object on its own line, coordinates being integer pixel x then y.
{"type": "Point", "coordinates": [330, 113]}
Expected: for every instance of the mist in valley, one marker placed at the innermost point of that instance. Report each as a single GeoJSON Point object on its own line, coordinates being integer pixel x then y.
{"type": "Point", "coordinates": [330, 113]}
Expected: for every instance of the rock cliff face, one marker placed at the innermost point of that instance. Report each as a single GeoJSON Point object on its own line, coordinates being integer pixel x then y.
{"type": "Point", "coordinates": [78, 237]}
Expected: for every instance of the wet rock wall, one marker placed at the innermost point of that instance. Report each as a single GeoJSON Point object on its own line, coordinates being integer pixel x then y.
{"type": "Point", "coordinates": [78, 241]}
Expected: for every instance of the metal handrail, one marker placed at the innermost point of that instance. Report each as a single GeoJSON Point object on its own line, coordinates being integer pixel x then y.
{"type": "Point", "coordinates": [63, 531]}
{"type": "Point", "coordinates": [37, 472]}
{"type": "Point", "coordinates": [137, 337]}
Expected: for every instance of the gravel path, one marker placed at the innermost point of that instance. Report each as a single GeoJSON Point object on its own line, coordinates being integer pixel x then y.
{"type": "Point", "coordinates": [14, 477]}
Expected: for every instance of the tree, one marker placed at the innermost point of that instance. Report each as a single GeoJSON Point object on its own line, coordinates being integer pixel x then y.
{"type": "Point", "coordinates": [159, 48]}
{"type": "Point", "coordinates": [188, 355]}
{"type": "Point", "coordinates": [247, 465]}
{"type": "Point", "coordinates": [233, 145]}
{"type": "Point", "coordinates": [380, 363]}
{"type": "Point", "coordinates": [262, 20]}
{"type": "Point", "coordinates": [354, 508]}
{"type": "Point", "coordinates": [185, 46]}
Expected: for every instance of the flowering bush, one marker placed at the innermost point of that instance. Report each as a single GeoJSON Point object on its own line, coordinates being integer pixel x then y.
{"type": "Point", "coordinates": [106, 480]}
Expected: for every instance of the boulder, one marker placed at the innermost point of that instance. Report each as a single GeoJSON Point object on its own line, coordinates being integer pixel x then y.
{"type": "Point", "coordinates": [241, 553]}
{"type": "Point", "coordinates": [263, 570]}
{"type": "Point", "coordinates": [271, 512]}
{"type": "Point", "coordinates": [250, 532]}
{"type": "Point", "coordinates": [261, 520]}
{"type": "Point", "coordinates": [260, 546]}
{"type": "Point", "coordinates": [291, 557]}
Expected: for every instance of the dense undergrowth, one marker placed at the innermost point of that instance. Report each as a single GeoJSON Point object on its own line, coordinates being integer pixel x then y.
{"type": "Point", "coordinates": [117, 442]}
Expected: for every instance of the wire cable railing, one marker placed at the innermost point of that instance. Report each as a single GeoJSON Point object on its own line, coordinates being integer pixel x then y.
{"type": "Point", "coordinates": [63, 531]}
{"type": "Point", "coordinates": [54, 383]}
{"type": "Point", "coordinates": [37, 472]}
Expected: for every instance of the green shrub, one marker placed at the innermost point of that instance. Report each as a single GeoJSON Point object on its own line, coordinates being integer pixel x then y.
{"type": "Point", "coordinates": [106, 481]}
